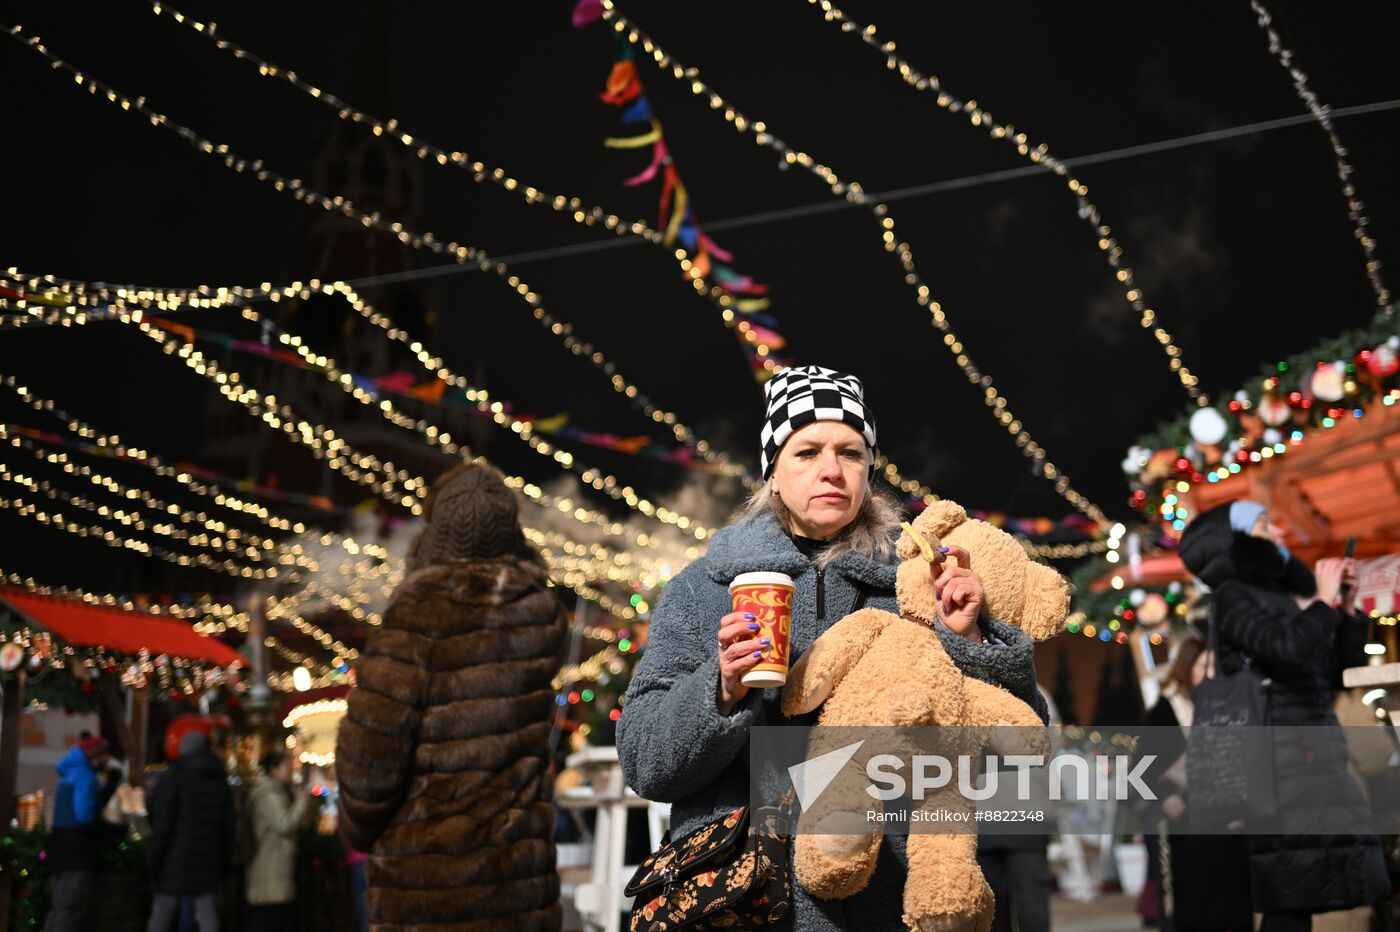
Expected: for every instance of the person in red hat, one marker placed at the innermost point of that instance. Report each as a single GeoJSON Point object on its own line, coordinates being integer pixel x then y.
{"type": "Point", "coordinates": [72, 848]}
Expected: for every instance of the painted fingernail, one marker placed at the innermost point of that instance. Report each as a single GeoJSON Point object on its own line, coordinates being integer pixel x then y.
{"type": "Point", "coordinates": [750, 616]}
{"type": "Point", "coordinates": [938, 595]}
{"type": "Point", "coordinates": [758, 653]}
{"type": "Point", "coordinates": [754, 626]}
{"type": "Point", "coordinates": [944, 550]}
{"type": "Point", "coordinates": [765, 641]}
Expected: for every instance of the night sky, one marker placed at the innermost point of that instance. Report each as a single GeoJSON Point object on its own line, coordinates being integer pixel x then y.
{"type": "Point", "coordinates": [1243, 247]}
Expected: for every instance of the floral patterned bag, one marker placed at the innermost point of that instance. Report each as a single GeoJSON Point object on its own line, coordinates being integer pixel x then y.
{"type": "Point", "coordinates": [726, 874]}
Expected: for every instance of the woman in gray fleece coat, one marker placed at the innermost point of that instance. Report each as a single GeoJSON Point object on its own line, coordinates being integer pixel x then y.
{"type": "Point", "coordinates": [684, 733]}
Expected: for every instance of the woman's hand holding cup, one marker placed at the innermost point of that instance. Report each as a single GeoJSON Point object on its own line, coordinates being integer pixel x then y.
{"type": "Point", "coordinates": [741, 647]}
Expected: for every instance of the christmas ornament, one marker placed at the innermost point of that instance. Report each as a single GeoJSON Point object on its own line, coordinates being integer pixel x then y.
{"type": "Point", "coordinates": [1274, 411]}
{"type": "Point", "coordinates": [1384, 360]}
{"type": "Point", "coordinates": [1208, 426]}
{"type": "Point", "coordinates": [1154, 610]}
{"type": "Point", "coordinates": [1328, 382]}
{"type": "Point", "coordinates": [11, 656]}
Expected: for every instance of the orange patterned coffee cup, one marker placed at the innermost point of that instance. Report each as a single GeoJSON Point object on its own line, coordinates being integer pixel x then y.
{"type": "Point", "coordinates": [768, 597]}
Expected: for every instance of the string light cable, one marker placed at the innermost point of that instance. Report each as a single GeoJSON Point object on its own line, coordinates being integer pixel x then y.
{"type": "Point", "coordinates": [361, 468]}
{"type": "Point", "coordinates": [172, 301]}
{"type": "Point", "coordinates": [289, 553]}
{"type": "Point", "coordinates": [297, 189]}
{"type": "Point", "coordinates": [854, 193]}
{"type": "Point", "coordinates": [131, 517]}
{"type": "Point", "coordinates": [607, 484]}
{"type": "Point", "coordinates": [1039, 153]}
{"type": "Point", "coordinates": [201, 607]}
{"type": "Point", "coordinates": [463, 254]}
{"type": "Point", "coordinates": [1322, 114]}
{"type": "Point", "coordinates": [113, 443]}
{"type": "Point", "coordinates": [315, 438]}
{"type": "Point", "coordinates": [571, 207]}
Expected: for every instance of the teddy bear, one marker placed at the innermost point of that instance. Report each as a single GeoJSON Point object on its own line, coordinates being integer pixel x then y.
{"type": "Point", "coordinates": [875, 668]}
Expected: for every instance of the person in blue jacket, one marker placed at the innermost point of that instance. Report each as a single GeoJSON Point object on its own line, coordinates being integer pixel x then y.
{"type": "Point", "coordinates": [72, 849]}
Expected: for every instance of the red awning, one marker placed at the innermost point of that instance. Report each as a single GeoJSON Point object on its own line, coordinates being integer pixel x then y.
{"type": "Point", "coordinates": [117, 630]}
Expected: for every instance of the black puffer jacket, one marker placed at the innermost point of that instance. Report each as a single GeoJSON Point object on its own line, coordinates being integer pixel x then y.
{"type": "Point", "coordinates": [1303, 651]}
{"type": "Point", "coordinates": [192, 822]}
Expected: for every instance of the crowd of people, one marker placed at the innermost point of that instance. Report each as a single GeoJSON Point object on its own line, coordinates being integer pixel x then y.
{"type": "Point", "coordinates": [201, 831]}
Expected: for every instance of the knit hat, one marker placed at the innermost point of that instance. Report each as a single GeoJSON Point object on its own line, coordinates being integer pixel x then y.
{"type": "Point", "coordinates": [1244, 514]}
{"type": "Point", "coordinates": [193, 742]}
{"type": "Point", "coordinates": [802, 395]}
{"type": "Point", "coordinates": [472, 515]}
{"type": "Point", "coordinates": [94, 746]}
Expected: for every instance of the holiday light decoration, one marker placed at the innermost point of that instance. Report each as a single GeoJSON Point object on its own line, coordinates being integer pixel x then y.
{"type": "Point", "coordinates": [197, 607]}
{"type": "Point", "coordinates": [406, 236]}
{"type": "Point", "coordinates": [1039, 154]}
{"type": "Point", "coordinates": [854, 193]}
{"type": "Point", "coordinates": [111, 445]}
{"type": "Point", "coordinates": [1269, 417]}
{"type": "Point", "coordinates": [695, 267]}
{"type": "Point", "coordinates": [1321, 114]}
{"type": "Point", "coordinates": [95, 301]}
{"type": "Point", "coordinates": [315, 724]}
{"type": "Point", "coordinates": [136, 520]}
{"type": "Point", "coordinates": [435, 437]}
{"type": "Point", "coordinates": [218, 535]}
{"type": "Point", "coordinates": [389, 128]}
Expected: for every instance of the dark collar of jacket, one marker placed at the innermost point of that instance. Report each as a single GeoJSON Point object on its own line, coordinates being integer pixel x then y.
{"type": "Point", "coordinates": [1217, 553]}
{"type": "Point", "coordinates": [761, 545]}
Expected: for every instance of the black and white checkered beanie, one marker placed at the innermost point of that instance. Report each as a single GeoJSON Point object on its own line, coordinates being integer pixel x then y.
{"type": "Point", "coordinates": [801, 395]}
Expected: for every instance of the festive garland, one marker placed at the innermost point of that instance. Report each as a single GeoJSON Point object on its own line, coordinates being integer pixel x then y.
{"type": "Point", "coordinates": [63, 675]}
{"type": "Point", "coordinates": [757, 331]}
{"type": "Point", "coordinates": [1339, 378]}
{"type": "Point", "coordinates": [1114, 614]}
{"type": "Point", "coordinates": [853, 192]}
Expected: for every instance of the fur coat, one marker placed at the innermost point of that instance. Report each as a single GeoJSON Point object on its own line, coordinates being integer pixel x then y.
{"type": "Point", "coordinates": [442, 756]}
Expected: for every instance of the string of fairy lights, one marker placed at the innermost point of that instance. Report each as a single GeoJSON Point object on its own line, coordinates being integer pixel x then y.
{"type": "Point", "coordinates": [292, 552]}
{"type": "Point", "coordinates": [572, 576]}
{"type": "Point", "coordinates": [339, 455]}
{"type": "Point", "coordinates": [198, 608]}
{"type": "Point", "coordinates": [1320, 113]}
{"type": "Point", "coordinates": [113, 443]}
{"type": "Point", "coordinates": [853, 192]}
{"type": "Point", "coordinates": [135, 520]}
{"type": "Point", "coordinates": [572, 207]}
{"type": "Point", "coordinates": [225, 537]}
{"type": "Point", "coordinates": [314, 438]}
{"type": "Point", "coordinates": [1038, 153]}
{"type": "Point", "coordinates": [607, 484]}
{"type": "Point", "coordinates": [169, 299]}
{"type": "Point", "coordinates": [255, 167]}
{"type": "Point", "coordinates": [295, 187]}
{"type": "Point", "coordinates": [645, 540]}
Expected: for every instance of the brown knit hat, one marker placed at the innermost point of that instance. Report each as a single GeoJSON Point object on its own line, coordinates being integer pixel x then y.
{"type": "Point", "coordinates": [471, 515]}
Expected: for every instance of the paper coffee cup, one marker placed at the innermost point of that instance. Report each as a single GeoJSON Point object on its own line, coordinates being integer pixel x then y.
{"type": "Point", "coordinates": [768, 597]}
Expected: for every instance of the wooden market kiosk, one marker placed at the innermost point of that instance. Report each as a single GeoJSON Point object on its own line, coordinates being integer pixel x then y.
{"type": "Point", "coordinates": [105, 651]}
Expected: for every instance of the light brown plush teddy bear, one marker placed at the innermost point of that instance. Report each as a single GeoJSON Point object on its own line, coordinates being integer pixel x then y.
{"type": "Point", "coordinates": [873, 668]}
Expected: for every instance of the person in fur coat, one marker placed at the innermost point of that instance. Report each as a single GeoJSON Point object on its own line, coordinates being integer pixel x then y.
{"type": "Point", "coordinates": [443, 754]}
{"type": "Point", "coordinates": [1300, 632]}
